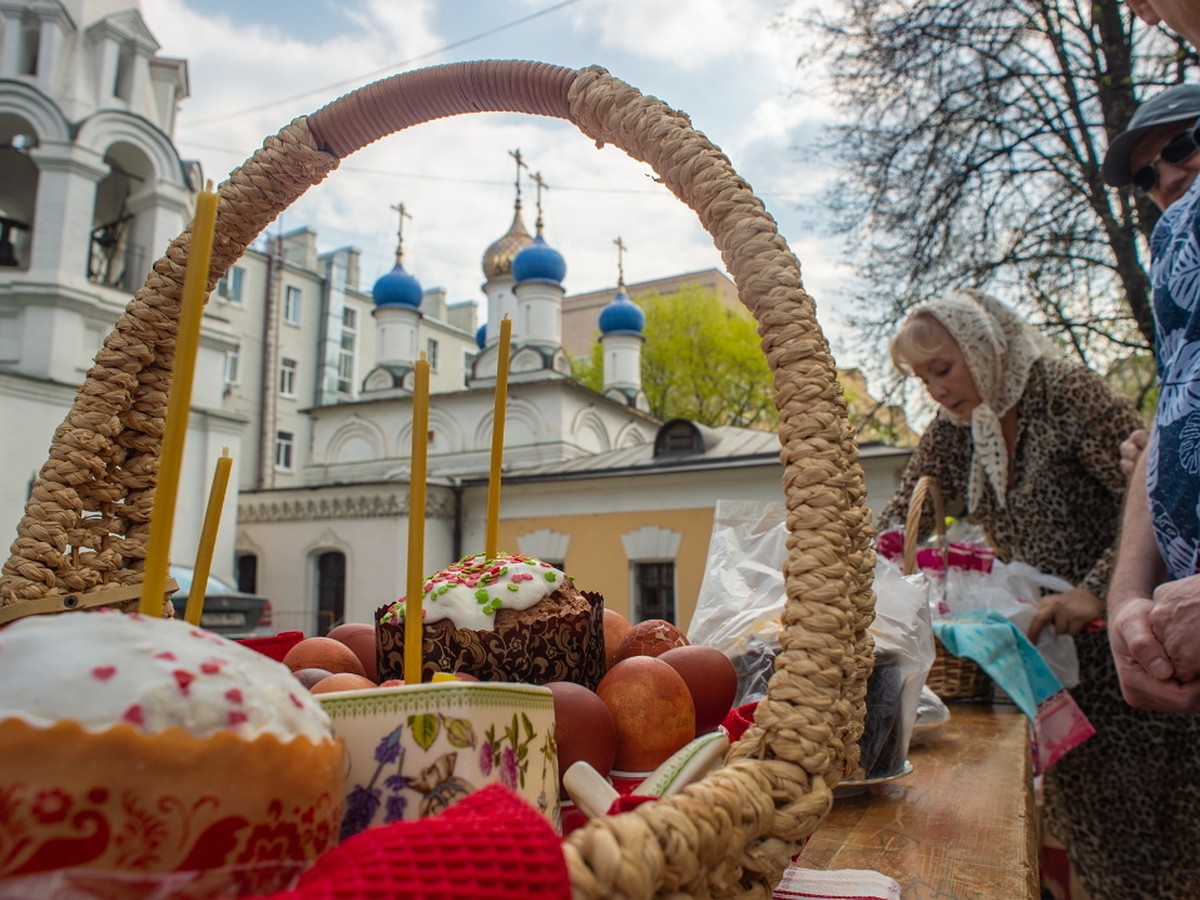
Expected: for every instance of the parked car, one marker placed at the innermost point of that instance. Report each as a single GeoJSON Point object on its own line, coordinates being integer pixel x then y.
{"type": "Point", "coordinates": [227, 611]}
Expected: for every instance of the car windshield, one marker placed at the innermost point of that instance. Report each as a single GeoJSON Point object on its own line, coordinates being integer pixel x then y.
{"type": "Point", "coordinates": [214, 585]}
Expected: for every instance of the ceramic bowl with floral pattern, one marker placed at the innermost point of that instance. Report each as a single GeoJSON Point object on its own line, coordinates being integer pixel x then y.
{"type": "Point", "coordinates": [414, 750]}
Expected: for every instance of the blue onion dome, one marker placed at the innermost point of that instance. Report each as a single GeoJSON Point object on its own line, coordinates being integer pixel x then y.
{"type": "Point", "coordinates": [497, 259]}
{"type": "Point", "coordinates": [539, 262]}
{"type": "Point", "coordinates": [481, 336]}
{"type": "Point", "coordinates": [397, 288]}
{"type": "Point", "coordinates": [622, 316]}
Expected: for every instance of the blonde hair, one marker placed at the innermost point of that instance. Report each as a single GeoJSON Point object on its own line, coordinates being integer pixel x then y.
{"type": "Point", "coordinates": [921, 338]}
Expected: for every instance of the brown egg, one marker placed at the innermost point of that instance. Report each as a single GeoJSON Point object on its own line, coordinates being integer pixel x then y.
{"type": "Point", "coordinates": [653, 710]}
{"type": "Point", "coordinates": [616, 626]}
{"type": "Point", "coordinates": [323, 653]}
{"type": "Point", "coordinates": [583, 728]}
{"type": "Point", "coordinates": [650, 638]}
{"type": "Point", "coordinates": [359, 637]}
{"type": "Point", "coordinates": [711, 678]}
{"type": "Point", "coordinates": [342, 681]}
{"type": "Point", "coordinates": [309, 677]}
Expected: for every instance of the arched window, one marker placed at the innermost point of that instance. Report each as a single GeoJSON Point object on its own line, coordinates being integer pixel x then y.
{"type": "Point", "coordinates": [331, 590]}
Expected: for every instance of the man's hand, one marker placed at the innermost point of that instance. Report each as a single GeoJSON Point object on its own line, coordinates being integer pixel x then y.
{"type": "Point", "coordinates": [1131, 449]}
{"type": "Point", "coordinates": [1147, 678]}
{"type": "Point", "coordinates": [1068, 612]}
{"type": "Point", "coordinates": [1175, 620]}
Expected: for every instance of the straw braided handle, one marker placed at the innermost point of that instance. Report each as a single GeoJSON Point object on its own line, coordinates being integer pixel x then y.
{"type": "Point", "coordinates": [730, 834]}
{"type": "Point", "coordinates": [926, 490]}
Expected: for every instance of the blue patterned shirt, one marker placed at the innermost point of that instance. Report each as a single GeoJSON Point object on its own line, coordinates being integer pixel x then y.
{"type": "Point", "coordinates": [1173, 466]}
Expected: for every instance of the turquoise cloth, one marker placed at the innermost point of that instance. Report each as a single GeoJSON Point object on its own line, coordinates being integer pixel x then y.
{"type": "Point", "coordinates": [1004, 652]}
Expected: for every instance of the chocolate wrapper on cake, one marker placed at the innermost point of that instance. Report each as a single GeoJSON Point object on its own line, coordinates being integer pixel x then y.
{"type": "Point", "coordinates": [560, 637]}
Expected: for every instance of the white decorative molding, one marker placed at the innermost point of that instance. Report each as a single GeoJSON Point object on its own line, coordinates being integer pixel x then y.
{"type": "Point", "coordinates": [545, 544]}
{"type": "Point", "coordinates": [651, 544]}
{"type": "Point", "coordinates": [438, 505]}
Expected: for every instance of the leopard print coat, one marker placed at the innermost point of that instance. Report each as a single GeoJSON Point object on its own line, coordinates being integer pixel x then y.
{"type": "Point", "coordinates": [1126, 803]}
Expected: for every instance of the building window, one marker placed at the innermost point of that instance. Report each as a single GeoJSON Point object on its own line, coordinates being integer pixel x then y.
{"type": "Point", "coordinates": [467, 362]}
{"type": "Point", "coordinates": [291, 305]}
{"type": "Point", "coordinates": [230, 286]}
{"type": "Point", "coordinates": [654, 587]}
{"type": "Point", "coordinates": [431, 353]}
{"type": "Point", "coordinates": [285, 442]}
{"type": "Point", "coordinates": [247, 573]}
{"type": "Point", "coordinates": [349, 344]}
{"type": "Point", "coordinates": [331, 590]}
{"type": "Point", "coordinates": [233, 366]}
{"type": "Point", "coordinates": [30, 40]}
{"type": "Point", "coordinates": [287, 377]}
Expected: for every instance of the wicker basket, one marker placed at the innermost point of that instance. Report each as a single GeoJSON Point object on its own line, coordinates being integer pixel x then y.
{"type": "Point", "coordinates": [951, 677]}
{"type": "Point", "coordinates": [85, 528]}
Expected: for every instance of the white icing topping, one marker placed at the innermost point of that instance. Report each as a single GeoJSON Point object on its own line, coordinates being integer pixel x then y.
{"type": "Point", "coordinates": [469, 592]}
{"type": "Point", "coordinates": [106, 667]}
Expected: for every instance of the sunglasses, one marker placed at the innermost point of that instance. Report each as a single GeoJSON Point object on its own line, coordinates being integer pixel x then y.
{"type": "Point", "coordinates": [1179, 149]}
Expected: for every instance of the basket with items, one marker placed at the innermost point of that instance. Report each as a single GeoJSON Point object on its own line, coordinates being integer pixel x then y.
{"type": "Point", "coordinates": [87, 541]}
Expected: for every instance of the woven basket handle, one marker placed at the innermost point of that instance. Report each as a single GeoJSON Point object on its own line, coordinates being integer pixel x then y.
{"type": "Point", "coordinates": [926, 490]}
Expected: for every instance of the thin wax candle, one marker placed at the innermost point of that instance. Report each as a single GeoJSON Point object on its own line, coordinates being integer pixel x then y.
{"type": "Point", "coordinates": [492, 539]}
{"type": "Point", "coordinates": [208, 538]}
{"type": "Point", "coordinates": [414, 594]}
{"type": "Point", "coordinates": [179, 403]}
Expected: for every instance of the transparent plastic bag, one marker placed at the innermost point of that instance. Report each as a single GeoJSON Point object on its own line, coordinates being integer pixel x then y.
{"type": "Point", "coordinates": [741, 600]}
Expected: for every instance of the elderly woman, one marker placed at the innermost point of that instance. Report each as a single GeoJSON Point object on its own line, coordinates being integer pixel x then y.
{"type": "Point", "coordinates": [1027, 444]}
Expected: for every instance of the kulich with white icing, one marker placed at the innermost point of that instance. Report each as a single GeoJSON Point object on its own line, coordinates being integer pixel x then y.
{"type": "Point", "coordinates": [471, 591]}
{"type": "Point", "coordinates": [104, 668]}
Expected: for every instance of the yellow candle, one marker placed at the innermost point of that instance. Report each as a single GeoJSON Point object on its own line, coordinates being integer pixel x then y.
{"type": "Point", "coordinates": [414, 594]}
{"type": "Point", "coordinates": [179, 403]}
{"type": "Point", "coordinates": [208, 538]}
{"type": "Point", "coordinates": [491, 547]}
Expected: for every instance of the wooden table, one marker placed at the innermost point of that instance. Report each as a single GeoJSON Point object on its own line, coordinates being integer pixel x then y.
{"type": "Point", "coordinates": [961, 826]}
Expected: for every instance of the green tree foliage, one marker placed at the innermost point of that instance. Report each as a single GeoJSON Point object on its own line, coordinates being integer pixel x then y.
{"type": "Point", "coordinates": [701, 361]}
{"type": "Point", "coordinates": [971, 155]}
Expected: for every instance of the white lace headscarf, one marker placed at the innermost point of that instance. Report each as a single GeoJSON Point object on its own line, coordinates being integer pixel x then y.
{"type": "Point", "coordinates": [1000, 349]}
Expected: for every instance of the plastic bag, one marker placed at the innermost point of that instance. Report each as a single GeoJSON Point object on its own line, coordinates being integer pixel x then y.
{"type": "Point", "coordinates": [741, 601]}
{"type": "Point", "coordinates": [741, 598]}
{"type": "Point", "coordinates": [904, 640]}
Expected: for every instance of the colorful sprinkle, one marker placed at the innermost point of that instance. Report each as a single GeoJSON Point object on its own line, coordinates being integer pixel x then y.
{"type": "Point", "coordinates": [134, 715]}
{"type": "Point", "coordinates": [237, 717]}
{"type": "Point", "coordinates": [234, 695]}
{"type": "Point", "coordinates": [103, 673]}
{"type": "Point", "coordinates": [183, 678]}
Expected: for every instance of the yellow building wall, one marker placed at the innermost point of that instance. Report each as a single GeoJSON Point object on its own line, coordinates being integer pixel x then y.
{"type": "Point", "coordinates": [596, 556]}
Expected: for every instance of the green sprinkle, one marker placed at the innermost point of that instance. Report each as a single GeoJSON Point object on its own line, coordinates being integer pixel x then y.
{"type": "Point", "coordinates": [481, 595]}
{"type": "Point", "coordinates": [550, 576]}
{"type": "Point", "coordinates": [513, 587]}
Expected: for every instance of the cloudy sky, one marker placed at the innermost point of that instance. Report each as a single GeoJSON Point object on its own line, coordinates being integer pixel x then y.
{"type": "Point", "coordinates": [256, 64]}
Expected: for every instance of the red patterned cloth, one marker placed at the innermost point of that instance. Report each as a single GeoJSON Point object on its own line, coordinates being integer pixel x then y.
{"type": "Point", "coordinates": [490, 844]}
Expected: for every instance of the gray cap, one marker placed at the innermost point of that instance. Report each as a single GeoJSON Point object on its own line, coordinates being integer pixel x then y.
{"type": "Point", "coordinates": [1177, 104]}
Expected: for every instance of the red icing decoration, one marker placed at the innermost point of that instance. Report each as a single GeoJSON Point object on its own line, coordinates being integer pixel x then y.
{"type": "Point", "coordinates": [183, 678]}
{"type": "Point", "coordinates": [134, 715]}
{"type": "Point", "coordinates": [234, 695]}
{"type": "Point", "coordinates": [103, 673]}
{"type": "Point", "coordinates": [210, 668]}
{"type": "Point", "coordinates": [237, 717]}
{"type": "Point", "coordinates": [166, 654]}
{"type": "Point", "coordinates": [295, 702]}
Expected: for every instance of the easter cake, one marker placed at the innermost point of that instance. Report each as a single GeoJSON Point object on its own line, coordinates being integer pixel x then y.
{"type": "Point", "coordinates": [136, 749]}
{"type": "Point", "coordinates": [505, 618]}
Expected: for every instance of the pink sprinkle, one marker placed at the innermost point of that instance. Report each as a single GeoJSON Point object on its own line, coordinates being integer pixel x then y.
{"type": "Point", "coordinates": [237, 717]}
{"type": "Point", "coordinates": [211, 667]}
{"type": "Point", "coordinates": [183, 678]}
{"type": "Point", "coordinates": [296, 703]}
{"type": "Point", "coordinates": [166, 654]}
{"type": "Point", "coordinates": [134, 716]}
{"type": "Point", "coordinates": [103, 673]}
{"type": "Point", "coordinates": [234, 695]}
